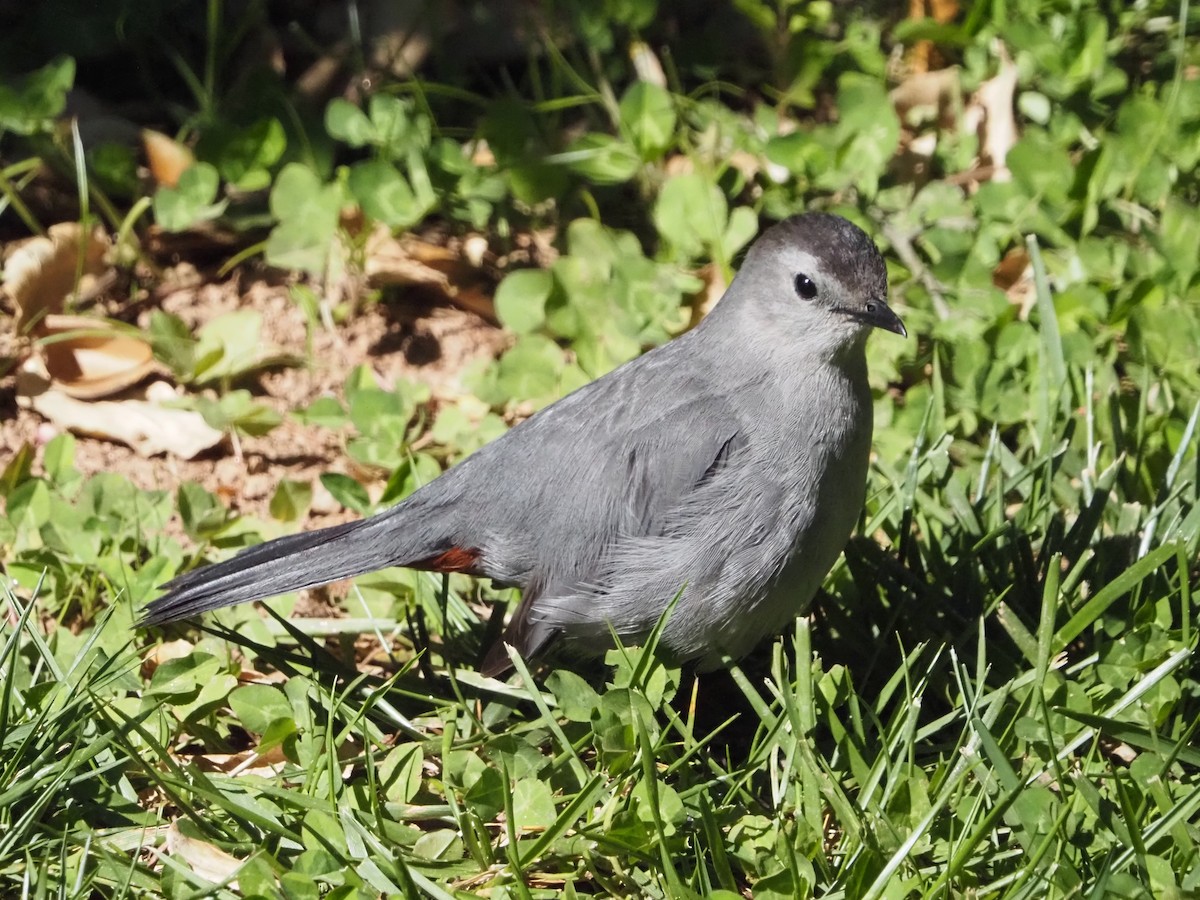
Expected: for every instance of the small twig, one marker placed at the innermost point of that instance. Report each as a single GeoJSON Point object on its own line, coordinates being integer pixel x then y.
{"type": "Point", "coordinates": [973, 176]}
{"type": "Point", "coordinates": [902, 244]}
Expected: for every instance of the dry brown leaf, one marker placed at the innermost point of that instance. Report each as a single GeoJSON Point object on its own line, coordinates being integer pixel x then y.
{"type": "Point", "coordinates": [936, 91]}
{"type": "Point", "coordinates": [713, 290]}
{"type": "Point", "coordinates": [247, 762]}
{"type": "Point", "coordinates": [246, 675]}
{"type": "Point", "coordinates": [203, 243]}
{"type": "Point", "coordinates": [392, 261]}
{"type": "Point", "coordinates": [646, 64]}
{"type": "Point", "coordinates": [1011, 268]}
{"type": "Point", "coordinates": [1014, 275]}
{"type": "Point", "coordinates": [678, 164]}
{"type": "Point", "coordinates": [924, 55]}
{"type": "Point", "coordinates": [1119, 750]}
{"type": "Point", "coordinates": [145, 426]}
{"type": "Point", "coordinates": [477, 299]}
{"type": "Point", "coordinates": [920, 100]}
{"type": "Point", "coordinates": [167, 157]}
{"type": "Point", "coordinates": [88, 358]}
{"type": "Point", "coordinates": [543, 247]}
{"type": "Point", "coordinates": [207, 860]}
{"type": "Point", "coordinates": [42, 272]}
{"type": "Point", "coordinates": [990, 114]}
{"type": "Point", "coordinates": [747, 164]}
{"type": "Point", "coordinates": [482, 155]}
{"type": "Point", "coordinates": [265, 765]}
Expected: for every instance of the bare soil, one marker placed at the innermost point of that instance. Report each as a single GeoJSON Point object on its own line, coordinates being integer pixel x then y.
{"type": "Point", "coordinates": [413, 333]}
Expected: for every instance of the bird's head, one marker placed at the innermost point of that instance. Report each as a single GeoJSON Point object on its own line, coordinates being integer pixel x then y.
{"type": "Point", "coordinates": [820, 279]}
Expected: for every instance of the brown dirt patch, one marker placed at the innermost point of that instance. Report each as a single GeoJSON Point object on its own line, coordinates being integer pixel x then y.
{"type": "Point", "coordinates": [409, 334]}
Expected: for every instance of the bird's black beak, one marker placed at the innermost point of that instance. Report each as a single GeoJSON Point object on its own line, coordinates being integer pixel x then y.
{"type": "Point", "coordinates": [882, 316]}
{"type": "Point", "coordinates": [878, 314]}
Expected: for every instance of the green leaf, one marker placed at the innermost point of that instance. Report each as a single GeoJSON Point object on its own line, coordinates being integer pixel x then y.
{"type": "Point", "coordinates": [577, 700]}
{"type": "Point", "coordinates": [258, 705]}
{"type": "Point", "coordinates": [521, 299]}
{"type": "Point", "coordinates": [533, 805]}
{"type": "Point", "coordinates": [529, 370]}
{"type": "Point", "coordinates": [867, 134]}
{"type": "Point", "coordinates": [536, 182]}
{"type": "Point", "coordinates": [28, 505]}
{"type": "Point", "coordinates": [486, 795]}
{"type": "Point", "coordinates": [1040, 166]}
{"type": "Point", "coordinates": [743, 226]}
{"type": "Point", "coordinates": [361, 378]}
{"type": "Point", "coordinates": [668, 807]}
{"type": "Point", "coordinates": [327, 412]}
{"type": "Point", "coordinates": [648, 118]}
{"type": "Point", "coordinates": [291, 500]}
{"type": "Point", "coordinates": [400, 772]}
{"type": "Point", "coordinates": [230, 346]}
{"type": "Point", "coordinates": [383, 194]}
{"type": "Point", "coordinates": [444, 844]}
{"type": "Point", "coordinates": [415, 471]}
{"type": "Point", "coordinates": [347, 492]}
{"type": "Point", "coordinates": [116, 168]}
{"type": "Point", "coordinates": [347, 123]}
{"type": "Point", "coordinates": [181, 677]}
{"type": "Point", "coordinates": [794, 152]}
{"type": "Point", "coordinates": [391, 122]}
{"type": "Point", "coordinates": [244, 155]}
{"type": "Point", "coordinates": [692, 215]}
{"type": "Point", "coordinates": [600, 158]}
{"type": "Point", "coordinates": [58, 460]}
{"type": "Point", "coordinates": [173, 343]}
{"type": "Point", "coordinates": [1128, 580]}
{"type": "Point", "coordinates": [762, 15]}
{"type": "Point", "coordinates": [237, 335]}
{"type": "Point", "coordinates": [465, 431]}
{"type": "Point", "coordinates": [17, 470]}
{"type": "Point", "coordinates": [307, 214]}
{"type": "Point", "coordinates": [374, 411]}
{"type": "Point", "coordinates": [1179, 236]}
{"type": "Point", "coordinates": [191, 200]}
{"type": "Point", "coordinates": [34, 105]}
{"type": "Point", "coordinates": [201, 512]}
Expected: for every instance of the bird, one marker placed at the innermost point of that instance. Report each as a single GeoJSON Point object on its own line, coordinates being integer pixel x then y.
{"type": "Point", "coordinates": [715, 478]}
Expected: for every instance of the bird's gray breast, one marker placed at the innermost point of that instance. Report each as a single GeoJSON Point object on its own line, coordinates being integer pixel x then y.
{"type": "Point", "coordinates": [818, 467]}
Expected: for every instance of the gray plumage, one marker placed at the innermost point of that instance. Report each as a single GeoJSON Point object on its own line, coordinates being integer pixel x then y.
{"type": "Point", "coordinates": [729, 464]}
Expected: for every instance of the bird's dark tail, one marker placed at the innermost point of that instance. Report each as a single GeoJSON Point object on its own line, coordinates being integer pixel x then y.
{"type": "Point", "coordinates": [286, 564]}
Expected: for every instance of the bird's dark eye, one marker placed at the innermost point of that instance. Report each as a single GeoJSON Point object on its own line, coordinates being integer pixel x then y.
{"type": "Point", "coordinates": [806, 289]}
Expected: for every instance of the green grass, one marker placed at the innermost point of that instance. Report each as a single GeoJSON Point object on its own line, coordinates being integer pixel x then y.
{"type": "Point", "coordinates": [996, 694]}
{"type": "Point", "coordinates": [1007, 710]}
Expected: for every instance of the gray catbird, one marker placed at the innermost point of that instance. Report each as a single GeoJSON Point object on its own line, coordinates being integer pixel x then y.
{"type": "Point", "coordinates": [726, 467]}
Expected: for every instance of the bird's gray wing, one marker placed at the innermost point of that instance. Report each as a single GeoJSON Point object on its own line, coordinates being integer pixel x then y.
{"type": "Point", "coordinates": [626, 480]}
{"type": "Point", "coordinates": [544, 502]}
{"type": "Point", "coordinates": [713, 533]}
